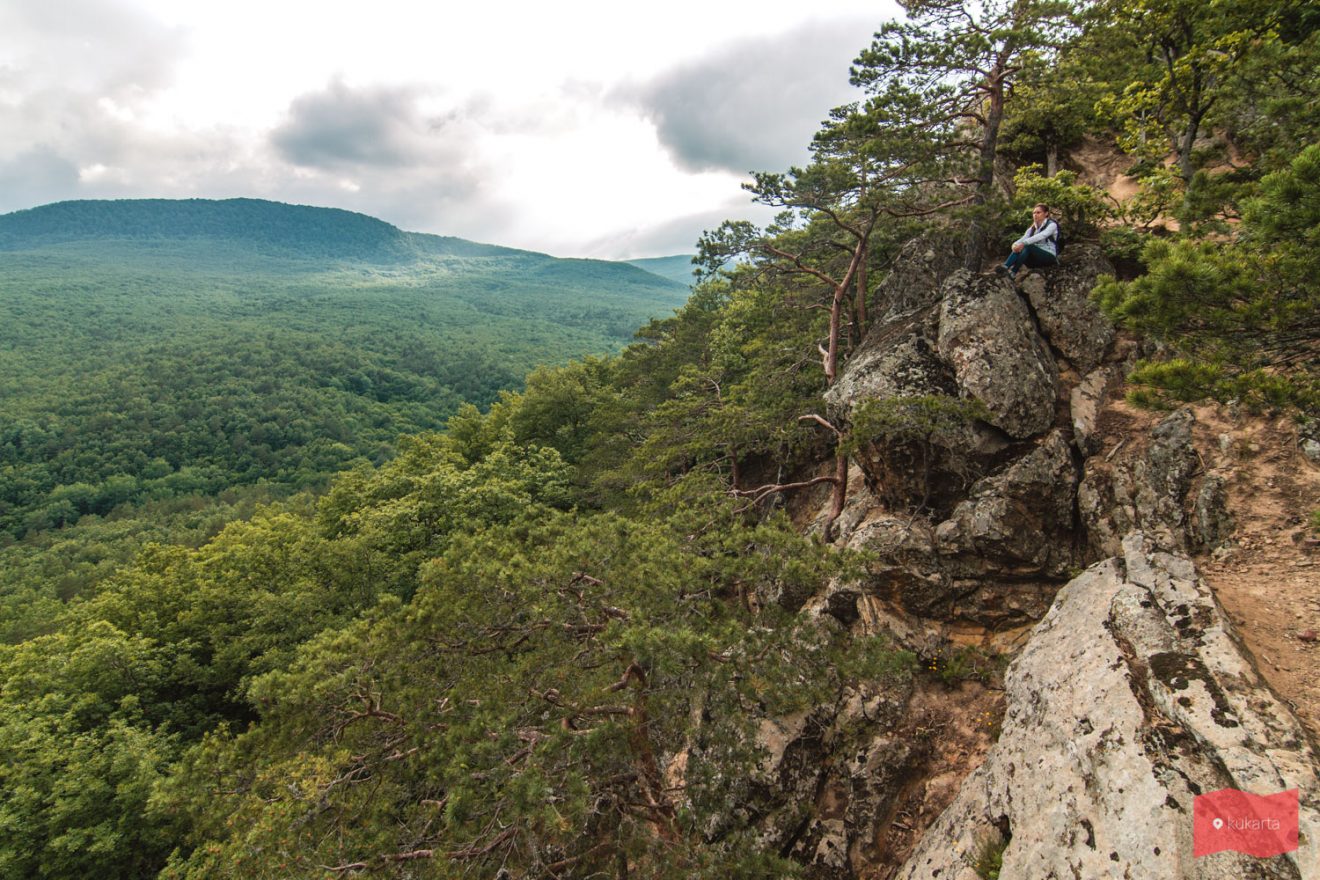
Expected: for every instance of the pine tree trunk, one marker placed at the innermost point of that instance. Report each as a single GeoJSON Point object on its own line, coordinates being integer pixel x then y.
{"type": "Point", "coordinates": [861, 301]}
{"type": "Point", "coordinates": [978, 235]}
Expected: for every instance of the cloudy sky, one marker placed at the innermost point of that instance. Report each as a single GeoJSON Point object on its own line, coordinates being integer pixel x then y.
{"type": "Point", "coordinates": [579, 128]}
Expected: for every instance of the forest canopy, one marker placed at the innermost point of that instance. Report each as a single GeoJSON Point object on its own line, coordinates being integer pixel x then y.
{"type": "Point", "coordinates": [481, 650]}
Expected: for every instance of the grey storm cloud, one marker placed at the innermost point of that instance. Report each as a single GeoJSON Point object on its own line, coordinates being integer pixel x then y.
{"type": "Point", "coordinates": [754, 105]}
{"type": "Point", "coordinates": [342, 126]}
{"type": "Point", "coordinates": [414, 169]}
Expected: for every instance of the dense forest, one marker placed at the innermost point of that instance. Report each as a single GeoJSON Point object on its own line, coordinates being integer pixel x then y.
{"type": "Point", "coordinates": [159, 351]}
{"type": "Point", "coordinates": [477, 651]}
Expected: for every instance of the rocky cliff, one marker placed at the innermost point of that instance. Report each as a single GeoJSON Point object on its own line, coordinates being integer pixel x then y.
{"type": "Point", "coordinates": [1055, 528]}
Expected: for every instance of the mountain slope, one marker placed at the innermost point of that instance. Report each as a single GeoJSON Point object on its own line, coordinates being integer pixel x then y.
{"type": "Point", "coordinates": [154, 348]}
{"type": "Point", "coordinates": [676, 268]}
{"type": "Point", "coordinates": [266, 226]}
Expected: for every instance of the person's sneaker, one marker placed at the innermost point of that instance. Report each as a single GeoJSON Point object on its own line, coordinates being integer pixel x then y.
{"type": "Point", "coordinates": [1001, 269]}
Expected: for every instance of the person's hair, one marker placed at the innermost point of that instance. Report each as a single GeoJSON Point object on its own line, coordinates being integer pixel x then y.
{"type": "Point", "coordinates": [1044, 207]}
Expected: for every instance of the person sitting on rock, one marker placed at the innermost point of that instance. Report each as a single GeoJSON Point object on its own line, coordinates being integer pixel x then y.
{"type": "Point", "coordinates": [1036, 248]}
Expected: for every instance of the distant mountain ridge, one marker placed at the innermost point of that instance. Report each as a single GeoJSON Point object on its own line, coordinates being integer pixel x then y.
{"type": "Point", "coordinates": [676, 268]}
{"type": "Point", "coordinates": [313, 231]}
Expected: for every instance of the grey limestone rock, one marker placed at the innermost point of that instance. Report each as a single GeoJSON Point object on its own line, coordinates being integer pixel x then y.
{"type": "Point", "coordinates": [1060, 297]}
{"type": "Point", "coordinates": [987, 335]}
{"type": "Point", "coordinates": [1146, 490]}
{"type": "Point", "coordinates": [1086, 400]}
{"type": "Point", "coordinates": [1211, 524]}
{"type": "Point", "coordinates": [905, 365]}
{"type": "Point", "coordinates": [901, 366]}
{"type": "Point", "coordinates": [933, 574]}
{"type": "Point", "coordinates": [912, 288]}
{"type": "Point", "coordinates": [1131, 698]}
{"type": "Point", "coordinates": [1022, 516]}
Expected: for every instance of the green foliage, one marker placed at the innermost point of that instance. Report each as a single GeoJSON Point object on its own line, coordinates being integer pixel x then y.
{"type": "Point", "coordinates": [939, 81]}
{"type": "Point", "coordinates": [1241, 315]}
{"type": "Point", "coordinates": [545, 670]}
{"type": "Point", "coordinates": [958, 663]}
{"type": "Point", "coordinates": [1194, 52]}
{"type": "Point", "coordinates": [47, 569]}
{"type": "Point", "coordinates": [1178, 380]}
{"type": "Point", "coordinates": [1209, 84]}
{"type": "Point", "coordinates": [1271, 112]}
{"type": "Point", "coordinates": [1079, 209]}
{"type": "Point", "coordinates": [544, 641]}
{"type": "Point", "coordinates": [1053, 105]}
{"type": "Point", "coordinates": [988, 860]}
{"type": "Point", "coordinates": [81, 759]}
{"type": "Point", "coordinates": [195, 346]}
{"type": "Point", "coordinates": [170, 646]}
{"type": "Point", "coordinates": [1212, 200]}
{"type": "Point", "coordinates": [924, 419]}
{"type": "Point", "coordinates": [1122, 243]}
{"type": "Point", "coordinates": [741, 397]}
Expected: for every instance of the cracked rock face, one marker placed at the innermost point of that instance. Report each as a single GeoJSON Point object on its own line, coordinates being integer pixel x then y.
{"type": "Point", "coordinates": [1211, 524]}
{"type": "Point", "coordinates": [905, 365]}
{"type": "Point", "coordinates": [988, 337]}
{"type": "Point", "coordinates": [1131, 698]}
{"type": "Point", "coordinates": [1060, 297]}
{"type": "Point", "coordinates": [824, 812]}
{"type": "Point", "coordinates": [1155, 491]}
{"type": "Point", "coordinates": [995, 562]}
{"type": "Point", "coordinates": [926, 572]}
{"type": "Point", "coordinates": [913, 288]}
{"type": "Point", "coordinates": [1023, 517]}
{"type": "Point", "coordinates": [1085, 402]}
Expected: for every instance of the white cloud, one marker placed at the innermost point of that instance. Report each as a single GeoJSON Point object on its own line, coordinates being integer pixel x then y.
{"type": "Point", "coordinates": [587, 128]}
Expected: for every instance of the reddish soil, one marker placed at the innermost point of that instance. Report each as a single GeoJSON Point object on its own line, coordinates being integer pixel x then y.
{"type": "Point", "coordinates": [1268, 577]}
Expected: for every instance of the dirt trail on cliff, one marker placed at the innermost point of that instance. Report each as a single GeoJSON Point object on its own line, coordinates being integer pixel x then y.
{"type": "Point", "coordinates": [1268, 579]}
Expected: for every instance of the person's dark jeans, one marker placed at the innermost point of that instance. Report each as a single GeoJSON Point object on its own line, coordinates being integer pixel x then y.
{"type": "Point", "coordinates": [1032, 257]}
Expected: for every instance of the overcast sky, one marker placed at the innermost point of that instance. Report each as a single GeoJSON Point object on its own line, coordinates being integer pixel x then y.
{"type": "Point", "coordinates": [578, 128]}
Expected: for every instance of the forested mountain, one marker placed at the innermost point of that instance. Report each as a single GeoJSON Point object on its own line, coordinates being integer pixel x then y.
{"type": "Point", "coordinates": [676, 268]}
{"type": "Point", "coordinates": [152, 349]}
{"type": "Point", "coordinates": [291, 231]}
{"type": "Point", "coordinates": [627, 621]}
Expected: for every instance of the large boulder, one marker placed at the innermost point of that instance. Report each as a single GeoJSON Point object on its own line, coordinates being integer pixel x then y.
{"type": "Point", "coordinates": [987, 335]}
{"type": "Point", "coordinates": [1020, 520]}
{"type": "Point", "coordinates": [896, 368]}
{"type": "Point", "coordinates": [911, 290]}
{"type": "Point", "coordinates": [888, 366]}
{"type": "Point", "coordinates": [1060, 298]}
{"type": "Point", "coordinates": [1131, 698]}
{"type": "Point", "coordinates": [924, 573]}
